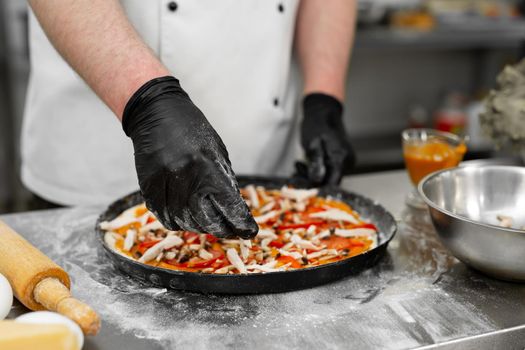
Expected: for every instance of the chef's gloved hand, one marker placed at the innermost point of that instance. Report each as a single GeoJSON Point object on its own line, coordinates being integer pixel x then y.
{"type": "Point", "coordinates": [184, 172]}
{"type": "Point", "coordinates": [329, 154]}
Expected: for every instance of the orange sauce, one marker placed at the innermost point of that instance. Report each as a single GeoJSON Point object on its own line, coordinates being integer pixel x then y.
{"type": "Point", "coordinates": [423, 159]}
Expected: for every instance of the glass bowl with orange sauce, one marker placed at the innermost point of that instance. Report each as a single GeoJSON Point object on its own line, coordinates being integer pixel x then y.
{"type": "Point", "coordinates": [426, 151]}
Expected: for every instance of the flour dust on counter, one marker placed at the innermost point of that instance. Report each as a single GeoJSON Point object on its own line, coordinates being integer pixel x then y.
{"type": "Point", "coordinates": [394, 305]}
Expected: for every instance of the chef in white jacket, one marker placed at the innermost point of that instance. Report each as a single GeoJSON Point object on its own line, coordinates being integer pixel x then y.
{"type": "Point", "coordinates": [178, 74]}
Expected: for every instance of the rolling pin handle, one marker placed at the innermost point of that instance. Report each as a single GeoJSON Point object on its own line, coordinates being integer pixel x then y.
{"type": "Point", "coordinates": [54, 296]}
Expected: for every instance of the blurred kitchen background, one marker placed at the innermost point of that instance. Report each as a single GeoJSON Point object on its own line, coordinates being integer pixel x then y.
{"type": "Point", "coordinates": [415, 63]}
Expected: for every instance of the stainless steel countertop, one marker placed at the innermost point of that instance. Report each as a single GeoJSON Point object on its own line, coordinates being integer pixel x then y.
{"type": "Point", "coordinates": [418, 296]}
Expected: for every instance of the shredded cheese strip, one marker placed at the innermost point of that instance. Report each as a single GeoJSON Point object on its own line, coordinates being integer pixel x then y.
{"type": "Point", "coordinates": [304, 244]}
{"type": "Point", "coordinates": [356, 232]}
{"type": "Point", "coordinates": [166, 243]}
{"type": "Point", "coordinates": [235, 260]}
{"type": "Point", "coordinates": [130, 239]}
{"type": "Point", "coordinates": [252, 194]}
{"type": "Point", "coordinates": [117, 223]}
{"type": "Point", "coordinates": [336, 215]}
{"type": "Point", "coordinates": [298, 195]}
{"type": "Point", "coordinates": [265, 233]}
{"type": "Point", "coordinates": [266, 217]}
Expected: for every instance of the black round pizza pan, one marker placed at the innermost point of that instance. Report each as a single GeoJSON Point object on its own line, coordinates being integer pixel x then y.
{"type": "Point", "coordinates": [271, 282]}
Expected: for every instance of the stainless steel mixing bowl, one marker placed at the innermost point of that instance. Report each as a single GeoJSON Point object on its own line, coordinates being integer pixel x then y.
{"type": "Point", "coordinates": [464, 204]}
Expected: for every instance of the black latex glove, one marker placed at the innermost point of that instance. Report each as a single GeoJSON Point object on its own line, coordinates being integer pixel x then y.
{"type": "Point", "coordinates": [329, 154]}
{"type": "Point", "coordinates": [184, 172]}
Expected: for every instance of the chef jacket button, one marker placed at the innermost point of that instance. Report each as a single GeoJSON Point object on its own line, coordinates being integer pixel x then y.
{"type": "Point", "coordinates": [276, 102]}
{"type": "Point", "coordinates": [280, 7]}
{"type": "Point", "coordinates": [172, 6]}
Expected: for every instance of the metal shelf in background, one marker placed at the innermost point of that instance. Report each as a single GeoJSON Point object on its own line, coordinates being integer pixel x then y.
{"type": "Point", "coordinates": [452, 36]}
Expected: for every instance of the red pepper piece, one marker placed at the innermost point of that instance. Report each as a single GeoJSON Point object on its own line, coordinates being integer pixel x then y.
{"type": "Point", "coordinates": [356, 243]}
{"type": "Point", "coordinates": [211, 238]}
{"type": "Point", "coordinates": [189, 235]}
{"type": "Point", "coordinates": [366, 225]}
{"type": "Point", "coordinates": [288, 259]}
{"type": "Point", "coordinates": [276, 244]}
{"type": "Point", "coordinates": [207, 263]}
{"type": "Point", "coordinates": [145, 245]}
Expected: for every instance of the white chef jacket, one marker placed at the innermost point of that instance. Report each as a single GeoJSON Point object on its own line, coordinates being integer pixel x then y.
{"type": "Point", "coordinates": [233, 57]}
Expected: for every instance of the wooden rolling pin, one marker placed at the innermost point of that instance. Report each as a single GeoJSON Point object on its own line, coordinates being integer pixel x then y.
{"type": "Point", "coordinates": [39, 283]}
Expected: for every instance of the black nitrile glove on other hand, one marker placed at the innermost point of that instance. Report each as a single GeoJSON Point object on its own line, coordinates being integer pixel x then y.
{"type": "Point", "coordinates": [329, 154]}
{"type": "Point", "coordinates": [184, 172]}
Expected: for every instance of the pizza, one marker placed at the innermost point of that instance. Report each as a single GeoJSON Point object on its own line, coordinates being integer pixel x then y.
{"type": "Point", "coordinates": [297, 229]}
